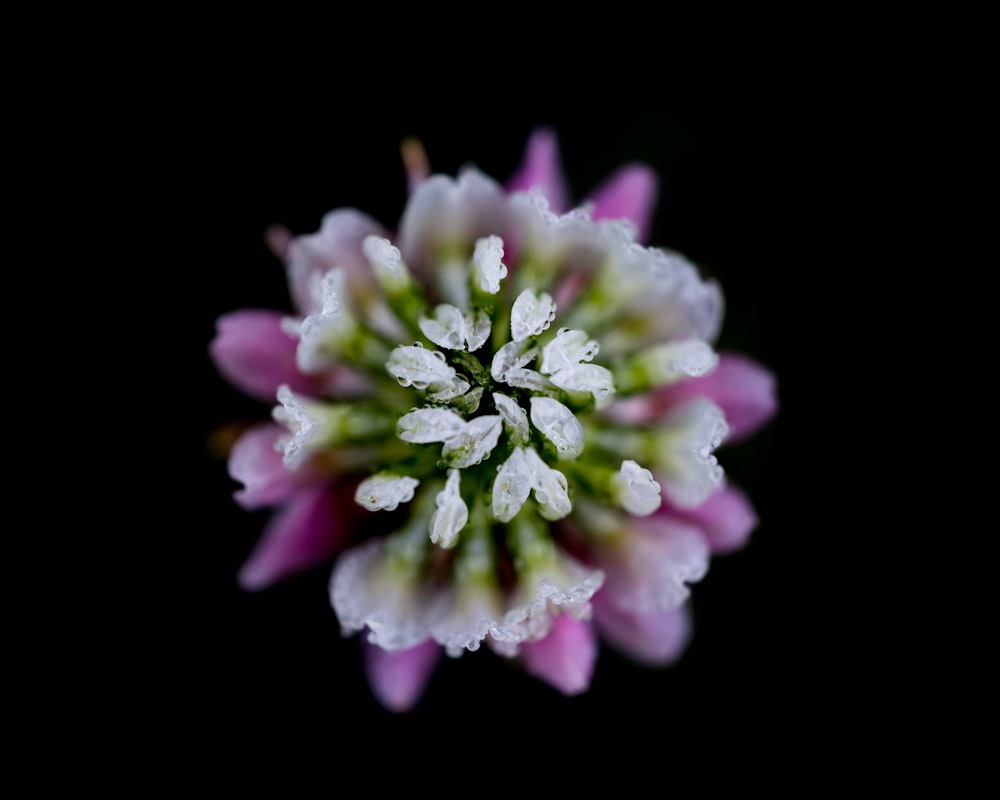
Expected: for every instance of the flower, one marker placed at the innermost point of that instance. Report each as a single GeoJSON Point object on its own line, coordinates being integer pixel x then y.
{"type": "Point", "coordinates": [499, 421]}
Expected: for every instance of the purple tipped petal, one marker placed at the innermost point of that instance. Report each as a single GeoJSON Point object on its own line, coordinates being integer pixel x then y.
{"type": "Point", "coordinates": [631, 192]}
{"type": "Point", "coordinates": [744, 390]}
{"type": "Point", "coordinates": [257, 464]}
{"type": "Point", "coordinates": [541, 169]}
{"type": "Point", "coordinates": [255, 354]}
{"type": "Point", "coordinates": [655, 639]}
{"type": "Point", "coordinates": [565, 658]}
{"type": "Point", "coordinates": [398, 678]}
{"type": "Point", "coordinates": [337, 243]}
{"type": "Point", "coordinates": [727, 518]}
{"type": "Point", "coordinates": [307, 531]}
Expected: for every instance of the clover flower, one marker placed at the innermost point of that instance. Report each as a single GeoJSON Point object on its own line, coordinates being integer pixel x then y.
{"type": "Point", "coordinates": [499, 421]}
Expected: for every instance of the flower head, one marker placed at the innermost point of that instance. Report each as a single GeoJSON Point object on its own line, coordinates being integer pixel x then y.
{"type": "Point", "coordinates": [499, 422]}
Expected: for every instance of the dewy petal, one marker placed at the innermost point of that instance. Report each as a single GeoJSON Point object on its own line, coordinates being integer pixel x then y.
{"type": "Point", "coordinates": [382, 255]}
{"type": "Point", "coordinates": [541, 170]}
{"type": "Point", "coordinates": [426, 425]}
{"type": "Point", "coordinates": [688, 468]}
{"type": "Point", "coordinates": [399, 678]}
{"type": "Point", "coordinates": [255, 460]}
{"type": "Point", "coordinates": [447, 328]}
{"type": "Point", "coordinates": [564, 658]}
{"type": "Point", "coordinates": [336, 244]}
{"type": "Point", "coordinates": [675, 361]}
{"type": "Point", "coordinates": [744, 390]}
{"type": "Point", "coordinates": [472, 602]}
{"type": "Point", "coordinates": [323, 331]}
{"type": "Point", "coordinates": [726, 518]}
{"type": "Point", "coordinates": [368, 589]}
{"type": "Point", "coordinates": [561, 582]}
{"type": "Point", "coordinates": [649, 570]}
{"type": "Point", "coordinates": [550, 486]}
{"type": "Point", "coordinates": [558, 424]}
{"type": "Point", "coordinates": [656, 638]}
{"type": "Point", "coordinates": [451, 515]}
{"type": "Point", "coordinates": [636, 490]}
{"type": "Point", "coordinates": [385, 491]}
{"type": "Point", "coordinates": [474, 443]}
{"type": "Point", "coordinates": [416, 366]}
{"type": "Point", "coordinates": [454, 329]}
{"type": "Point", "coordinates": [254, 352]}
{"type": "Point", "coordinates": [568, 349]}
{"type": "Point", "coordinates": [297, 414]}
{"type": "Point", "coordinates": [592, 379]}
{"type": "Point", "coordinates": [306, 532]}
{"type": "Point", "coordinates": [531, 314]}
{"type": "Point", "coordinates": [515, 420]}
{"type": "Point", "coordinates": [487, 258]}
{"type": "Point", "coordinates": [511, 486]}
{"type": "Point", "coordinates": [512, 356]}
{"type": "Point", "coordinates": [630, 193]}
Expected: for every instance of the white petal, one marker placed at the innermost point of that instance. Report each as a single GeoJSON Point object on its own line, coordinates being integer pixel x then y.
{"type": "Point", "coordinates": [590, 378]}
{"type": "Point", "coordinates": [386, 262]}
{"type": "Point", "coordinates": [515, 419]}
{"type": "Point", "coordinates": [367, 591]}
{"type": "Point", "coordinates": [529, 379]}
{"type": "Point", "coordinates": [531, 314]}
{"type": "Point", "coordinates": [550, 487]}
{"type": "Point", "coordinates": [673, 361]}
{"type": "Point", "coordinates": [424, 425]}
{"type": "Point", "coordinates": [447, 328]}
{"type": "Point", "coordinates": [558, 424]}
{"type": "Point", "coordinates": [487, 257]}
{"type": "Point", "coordinates": [637, 491]}
{"type": "Point", "coordinates": [512, 355]}
{"type": "Point", "coordinates": [321, 332]}
{"type": "Point", "coordinates": [511, 486]}
{"type": "Point", "coordinates": [445, 392]}
{"type": "Point", "coordinates": [452, 513]}
{"type": "Point", "coordinates": [568, 349]}
{"type": "Point", "coordinates": [472, 601]}
{"type": "Point", "coordinates": [689, 470]}
{"type": "Point", "coordinates": [413, 365]}
{"type": "Point", "coordinates": [477, 330]}
{"type": "Point", "coordinates": [384, 491]}
{"type": "Point", "coordinates": [474, 443]}
{"type": "Point", "coordinates": [295, 414]}
{"type": "Point", "coordinates": [562, 582]}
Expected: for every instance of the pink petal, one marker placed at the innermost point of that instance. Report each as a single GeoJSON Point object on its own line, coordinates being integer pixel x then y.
{"type": "Point", "coordinates": [541, 169]}
{"type": "Point", "coordinates": [399, 678]}
{"type": "Point", "coordinates": [337, 243]}
{"type": "Point", "coordinates": [442, 211]}
{"type": "Point", "coordinates": [565, 658]}
{"type": "Point", "coordinates": [307, 531]}
{"type": "Point", "coordinates": [727, 518]}
{"type": "Point", "coordinates": [254, 353]}
{"type": "Point", "coordinates": [654, 639]}
{"type": "Point", "coordinates": [259, 466]}
{"type": "Point", "coordinates": [744, 390]}
{"type": "Point", "coordinates": [630, 193]}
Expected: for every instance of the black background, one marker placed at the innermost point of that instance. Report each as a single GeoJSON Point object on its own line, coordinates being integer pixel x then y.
{"type": "Point", "coordinates": [745, 166]}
